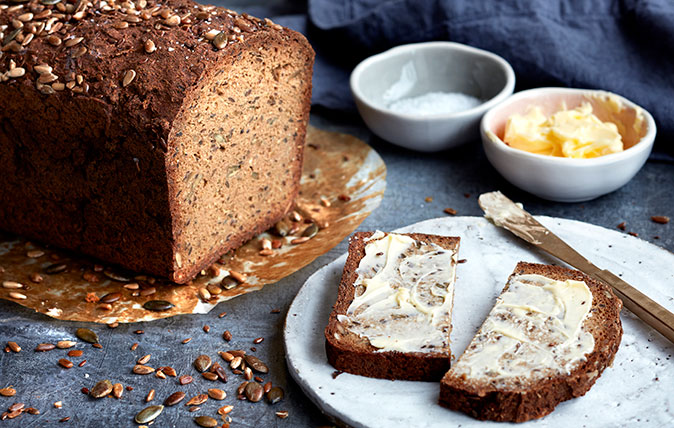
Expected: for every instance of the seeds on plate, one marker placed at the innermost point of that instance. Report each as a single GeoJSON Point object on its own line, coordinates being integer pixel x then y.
{"type": "Point", "coordinates": [55, 268]}
{"type": "Point", "coordinates": [18, 296]}
{"type": "Point", "coordinates": [36, 277]}
{"type": "Point", "coordinates": [12, 285]}
{"type": "Point", "coordinates": [101, 389]}
{"type": "Point", "coordinates": [174, 398]}
{"type": "Point", "coordinates": [148, 414]}
{"type": "Point", "coordinates": [111, 297]}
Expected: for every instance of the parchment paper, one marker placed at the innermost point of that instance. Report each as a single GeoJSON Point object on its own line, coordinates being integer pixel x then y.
{"type": "Point", "coordinates": [343, 181]}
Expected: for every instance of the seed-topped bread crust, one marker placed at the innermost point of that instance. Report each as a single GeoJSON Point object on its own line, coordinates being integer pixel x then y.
{"type": "Point", "coordinates": [354, 354]}
{"type": "Point", "coordinates": [518, 403]}
{"type": "Point", "coordinates": [156, 135]}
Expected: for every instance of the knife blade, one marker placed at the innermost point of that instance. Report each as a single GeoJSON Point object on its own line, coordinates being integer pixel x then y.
{"type": "Point", "coordinates": [506, 214]}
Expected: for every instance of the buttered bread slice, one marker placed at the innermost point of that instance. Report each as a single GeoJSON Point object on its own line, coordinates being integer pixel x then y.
{"type": "Point", "coordinates": [547, 339]}
{"type": "Point", "coordinates": [392, 318]}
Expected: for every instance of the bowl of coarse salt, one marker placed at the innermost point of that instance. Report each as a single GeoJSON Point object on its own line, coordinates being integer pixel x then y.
{"type": "Point", "coordinates": [430, 96]}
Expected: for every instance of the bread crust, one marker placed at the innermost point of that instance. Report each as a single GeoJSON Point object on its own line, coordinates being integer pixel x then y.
{"type": "Point", "coordinates": [354, 354]}
{"type": "Point", "coordinates": [537, 400]}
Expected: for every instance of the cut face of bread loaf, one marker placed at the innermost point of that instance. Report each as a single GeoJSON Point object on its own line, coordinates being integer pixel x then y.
{"type": "Point", "coordinates": [392, 318]}
{"type": "Point", "coordinates": [547, 339]}
{"type": "Point", "coordinates": [156, 138]}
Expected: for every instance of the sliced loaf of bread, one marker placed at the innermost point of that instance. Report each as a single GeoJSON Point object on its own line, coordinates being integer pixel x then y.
{"type": "Point", "coordinates": [392, 318]}
{"type": "Point", "coordinates": [548, 338]}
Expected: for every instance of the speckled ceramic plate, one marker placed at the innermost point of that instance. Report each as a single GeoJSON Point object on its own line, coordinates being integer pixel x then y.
{"type": "Point", "coordinates": [636, 391]}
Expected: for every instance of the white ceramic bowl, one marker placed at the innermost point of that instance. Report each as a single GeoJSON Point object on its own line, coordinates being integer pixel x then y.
{"type": "Point", "coordinates": [412, 70]}
{"type": "Point", "coordinates": [565, 179]}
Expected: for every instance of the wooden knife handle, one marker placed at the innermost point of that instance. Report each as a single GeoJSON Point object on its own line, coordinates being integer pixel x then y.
{"type": "Point", "coordinates": [641, 305]}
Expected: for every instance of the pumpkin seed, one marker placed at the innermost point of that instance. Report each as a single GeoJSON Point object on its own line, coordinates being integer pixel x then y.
{"type": "Point", "coordinates": [11, 36]}
{"type": "Point", "coordinates": [111, 297]}
{"type": "Point", "coordinates": [55, 268]}
{"type": "Point", "coordinates": [158, 305]}
{"type": "Point", "coordinates": [275, 395]}
{"type": "Point", "coordinates": [256, 364]}
{"type": "Point", "coordinates": [174, 398]}
{"type": "Point", "coordinates": [228, 283]}
{"type": "Point", "coordinates": [202, 363]}
{"type": "Point", "coordinates": [282, 228]}
{"type": "Point", "coordinates": [87, 335]}
{"type": "Point", "coordinates": [254, 392]}
{"type": "Point", "coordinates": [206, 421]}
{"type": "Point", "coordinates": [148, 414]}
{"type": "Point", "coordinates": [310, 231]}
{"type": "Point", "coordinates": [101, 389]}
{"type": "Point", "coordinates": [115, 276]}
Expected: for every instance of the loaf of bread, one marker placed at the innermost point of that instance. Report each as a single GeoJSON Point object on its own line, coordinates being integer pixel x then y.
{"type": "Point", "coordinates": [392, 318]}
{"type": "Point", "coordinates": [549, 337]}
{"type": "Point", "coordinates": [153, 135]}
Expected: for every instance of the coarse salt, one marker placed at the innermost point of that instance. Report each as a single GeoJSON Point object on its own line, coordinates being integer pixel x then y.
{"type": "Point", "coordinates": [435, 103]}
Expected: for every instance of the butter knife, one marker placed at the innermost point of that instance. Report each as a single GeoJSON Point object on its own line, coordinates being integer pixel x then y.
{"type": "Point", "coordinates": [506, 214]}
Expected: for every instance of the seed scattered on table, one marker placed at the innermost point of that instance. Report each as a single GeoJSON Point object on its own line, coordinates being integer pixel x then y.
{"type": "Point", "coordinates": [142, 370]}
{"type": "Point", "coordinates": [148, 414]}
{"type": "Point", "coordinates": [210, 376]}
{"type": "Point", "coordinates": [227, 335]}
{"type": "Point", "coordinates": [225, 409]}
{"type": "Point", "coordinates": [274, 395]}
{"type": "Point", "coordinates": [174, 398]}
{"type": "Point", "coordinates": [450, 211]}
{"type": "Point", "coordinates": [217, 394]}
{"type": "Point", "coordinates": [185, 379]}
{"type": "Point", "coordinates": [117, 390]}
{"type": "Point", "coordinates": [87, 335]}
{"type": "Point", "coordinates": [660, 219]}
{"type": "Point", "coordinates": [150, 396]}
{"type": "Point", "coordinates": [622, 226]}
{"type": "Point", "coordinates": [282, 414]}
{"type": "Point", "coordinates": [66, 363]}
{"type": "Point", "coordinates": [206, 328]}
{"type": "Point", "coordinates": [254, 391]}
{"type": "Point", "coordinates": [14, 347]}
{"type": "Point", "coordinates": [144, 359]}
{"type": "Point", "coordinates": [7, 392]}
{"type": "Point", "coordinates": [206, 421]}
{"type": "Point", "coordinates": [184, 341]}
{"type": "Point", "coordinates": [202, 363]}
{"type": "Point", "coordinates": [197, 400]}
{"type": "Point", "coordinates": [101, 389]}
{"type": "Point", "coordinates": [44, 347]}
{"type": "Point", "coordinates": [256, 364]}
{"type": "Point", "coordinates": [65, 344]}
{"type": "Point", "coordinates": [134, 346]}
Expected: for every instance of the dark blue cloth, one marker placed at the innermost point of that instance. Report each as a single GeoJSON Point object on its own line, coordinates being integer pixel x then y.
{"type": "Point", "coordinates": [623, 46]}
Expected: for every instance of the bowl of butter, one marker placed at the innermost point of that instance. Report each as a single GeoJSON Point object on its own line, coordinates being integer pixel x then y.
{"type": "Point", "coordinates": [567, 145]}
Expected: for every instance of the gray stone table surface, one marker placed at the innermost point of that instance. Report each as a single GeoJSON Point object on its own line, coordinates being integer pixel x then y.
{"type": "Point", "coordinates": [453, 179]}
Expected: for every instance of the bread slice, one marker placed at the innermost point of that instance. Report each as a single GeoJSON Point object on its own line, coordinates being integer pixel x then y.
{"type": "Point", "coordinates": [518, 389]}
{"type": "Point", "coordinates": [408, 345]}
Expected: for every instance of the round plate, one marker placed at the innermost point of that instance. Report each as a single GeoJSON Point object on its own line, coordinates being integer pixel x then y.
{"type": "Point", "coordinates": [637, 389]}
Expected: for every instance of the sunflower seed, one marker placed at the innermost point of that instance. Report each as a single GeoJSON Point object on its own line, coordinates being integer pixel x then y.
{"type": "Point", "coordinates": [157, 305]}
{"type": "Point", "coordinates": [258, 340]}
{"type": "Point", "coordinates": [75, 353]}
{"type": "Point", "coordinates": [117, 390]}
{"type": "Point", "coordinates": [101, 389]}
{"type": "Point", "coordinates": [239, 277]}
{"type": "Point", "coordinates": [16, 72]}
{"type": "Point", "coordinates": [74, 41]}
{"type": "Point", "coordinates": [115, 276]}
{"type": "Point", "coordinates": [185, 379]}
{"type": "Point", "coordinates": [43, 347]}
{"type": "Point", "coordinates": [210, 376]}
{"type": "Point", "coordinates": [217, 394]}
{"type": "Point", "coordinates": [227, 335]}
{"type": "Point", "coordinates": [142, 370]}
{"type": "Point", "coordinates": [206, 421]}
{"type": "Point", "coordinates": [202, 363]}
{"type": "Point", "coordinates": [16, 295]}
{"type": "Point", "coordinates": [65, 344]}
{"type": "Point", "coordinates": [16, 406]}
{"type": "Point", "coordinates": [148, 414]}
{"type": "Point", "coordinates": [14, 347]}
{"type": "Point", "coordinates": [111, 297]}
{"type": "Point", "coordinates": [254, 392]}
{"type": "Point", "coordinates": [204, 294]}
{"type": "Point", "coordinates": [256, 364]}
{"type": "Point", "coordinates": [174, 398]}
{"type": "Point", "coordinates": [7, 392]}
{"type": "Point", "coordinates": [169, 371]}
{"type": "Point", "coordinates": [282, 414]}
{"type": "Point", "coordinates": [197, 400]}
{"type": "Point", "coordinates": [150, 396]}
{"type": "Point", "coordinates": [87, 335]}
{"type": "Point", "coordinates": [225, 409]}
{"type": "Point", "coordinates": [12, 285]}
{"type": "Point", "coordinates": [235, 363]}
{"type": "Point", "coordinates": [144, 359]}
{"type": "Point", "coordinates": [275, 395]}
